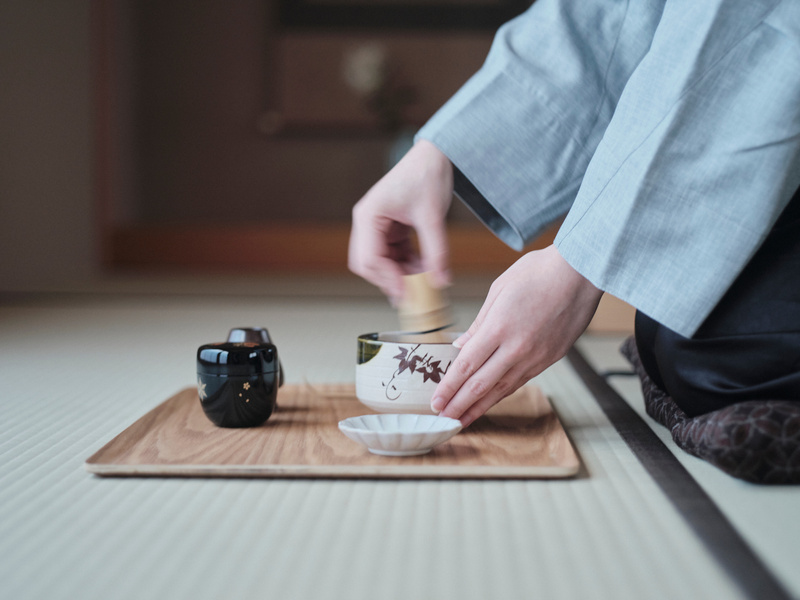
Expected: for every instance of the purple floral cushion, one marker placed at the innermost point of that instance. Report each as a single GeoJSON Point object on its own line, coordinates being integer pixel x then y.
{"type": "Point", "coordinates": [758, 441]}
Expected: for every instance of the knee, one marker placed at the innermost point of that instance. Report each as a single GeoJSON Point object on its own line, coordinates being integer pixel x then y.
{"type": "Point", "coordinates": [689, 374]}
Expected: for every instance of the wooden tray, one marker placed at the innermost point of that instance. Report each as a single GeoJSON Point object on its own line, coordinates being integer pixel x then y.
{"type": "Point", "coordinates": [520, 438]}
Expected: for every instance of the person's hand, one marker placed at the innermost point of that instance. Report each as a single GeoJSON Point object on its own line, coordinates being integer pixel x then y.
{"type": "Point", "coordinates": [532, 315]}
{"type": "Point", "coordinates": [414, 195]}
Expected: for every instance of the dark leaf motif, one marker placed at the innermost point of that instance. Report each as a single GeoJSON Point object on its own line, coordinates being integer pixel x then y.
{"type": "Point", "coordinates": [432, 372]}
{"type": "Point", "coordinates": [403, 360]}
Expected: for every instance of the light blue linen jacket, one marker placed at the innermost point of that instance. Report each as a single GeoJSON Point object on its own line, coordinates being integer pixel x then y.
{"type": "Point", "coordinates": [667, 130]}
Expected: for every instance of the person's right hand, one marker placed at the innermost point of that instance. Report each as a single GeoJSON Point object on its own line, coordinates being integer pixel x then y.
{"type": "Point", "coordinates": [414, 195]}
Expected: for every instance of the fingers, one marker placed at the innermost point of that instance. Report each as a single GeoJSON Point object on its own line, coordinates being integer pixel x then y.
{"type": "Point", "coordinates": [477, 383]}
{"type": "Point", "coordinates": [488, 401]}
{"type": "Point", "coordinates": [414, 195]}
{"type": "Point", "coordinates": [462, 339]}
{"type": "Point", "coordinates": [463, 368]}
{"type": "Point", "coordinates": [498, 377]}
{"type": "Point", "coordinates": [488, 368]}
{"type": "Point", "coordinates": [435, 253]}
{"type": "Point", "coordinates": [370, 257]}
{"type": "Point", "coordinates": [471, 357]}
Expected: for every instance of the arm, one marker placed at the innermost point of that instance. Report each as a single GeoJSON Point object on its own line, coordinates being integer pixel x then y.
{"type": "Point", "coordinates": [699, 158]}
{"type": "Point", "coordinates": [520, 133]}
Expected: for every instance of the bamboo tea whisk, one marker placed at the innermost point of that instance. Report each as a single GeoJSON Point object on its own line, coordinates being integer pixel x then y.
{"type": "Point", "coordinates": [424, 308]}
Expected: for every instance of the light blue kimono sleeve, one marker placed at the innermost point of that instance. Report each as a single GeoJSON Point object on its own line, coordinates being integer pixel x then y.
{"type": "Point", "coordinates": [522, 130]}
{"type": "Point", "coordinates": [700, 158]}
{"type": "Point", "coordinates": [668, 130]}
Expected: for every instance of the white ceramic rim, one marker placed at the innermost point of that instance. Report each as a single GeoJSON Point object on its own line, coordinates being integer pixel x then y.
{"type": "Point", "coordinates": [363, 423]}
{"type": "Point", "coordinates": [399, 434]}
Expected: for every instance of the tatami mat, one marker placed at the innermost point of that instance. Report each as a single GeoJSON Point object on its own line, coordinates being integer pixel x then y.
{"type": "Point", "coordinates": [763, 515]}
{"type": "Point", "coordinates": [76, 370]}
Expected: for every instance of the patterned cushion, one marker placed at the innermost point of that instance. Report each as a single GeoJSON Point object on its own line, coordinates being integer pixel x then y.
{"type": "Point", "coordinates": [758, 441]}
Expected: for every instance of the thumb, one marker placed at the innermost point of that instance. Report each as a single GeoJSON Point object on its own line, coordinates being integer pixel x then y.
{"type": "Point", "coordinates": [465, 337]}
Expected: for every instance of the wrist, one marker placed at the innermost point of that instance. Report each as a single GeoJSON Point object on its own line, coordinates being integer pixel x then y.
{"type": "Point", "coordinates": [435, 162]}
{"type": "Point", "coordinates": [581, 286]}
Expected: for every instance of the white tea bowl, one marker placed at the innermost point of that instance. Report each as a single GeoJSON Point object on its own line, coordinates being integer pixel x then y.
{"type": "Point", "coordinates": [400, 434]}
{"type": "Point", "coordinates": [398, 372]}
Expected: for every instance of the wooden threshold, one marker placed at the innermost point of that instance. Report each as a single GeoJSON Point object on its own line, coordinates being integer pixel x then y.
{"type": "Point", "coordinates": [284, 247]}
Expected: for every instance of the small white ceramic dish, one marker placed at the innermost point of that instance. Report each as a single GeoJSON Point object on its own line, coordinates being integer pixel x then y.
{"type": "Point", "coordinates": [398, 372]}
{"type": "Point", "coordinates": [400, 434]}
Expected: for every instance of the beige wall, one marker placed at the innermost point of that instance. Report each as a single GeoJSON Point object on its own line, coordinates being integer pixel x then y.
{"type": "Point", "coordinates": [47, 217]}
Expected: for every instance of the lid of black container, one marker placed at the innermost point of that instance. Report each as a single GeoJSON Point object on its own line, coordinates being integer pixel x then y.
{"type": "Point", "coordinates": [237, 359]}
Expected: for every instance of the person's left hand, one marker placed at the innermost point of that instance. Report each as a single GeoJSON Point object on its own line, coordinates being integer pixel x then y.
{"type": "Point", "coordinates": [532, 315]}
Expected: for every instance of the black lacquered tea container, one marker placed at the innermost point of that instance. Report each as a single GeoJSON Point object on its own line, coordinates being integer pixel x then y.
{"type": "Point", "coordinates": [238, 380]}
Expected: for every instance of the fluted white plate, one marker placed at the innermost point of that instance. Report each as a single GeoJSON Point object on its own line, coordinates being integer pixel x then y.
{"type": "Point", "coordinates": [400, 434]}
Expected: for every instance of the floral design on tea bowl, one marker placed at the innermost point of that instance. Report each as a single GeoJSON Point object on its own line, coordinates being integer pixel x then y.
{"type": "Point", "coordinates": [398, 372]}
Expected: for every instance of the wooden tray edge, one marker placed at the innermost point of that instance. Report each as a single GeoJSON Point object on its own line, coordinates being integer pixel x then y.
{"type": "Point", "coordinates": [332, 472]}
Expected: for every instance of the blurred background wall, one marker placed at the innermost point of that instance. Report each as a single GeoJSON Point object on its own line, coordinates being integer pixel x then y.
{"type": "Point", "coordinates": [48, 227]}
{"type": "Point", "coordinates": [238, 118]}
{"type": "Point", "coordinates": [162, 127]}
{"type": "Point", "coordinates": [121, 116]}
